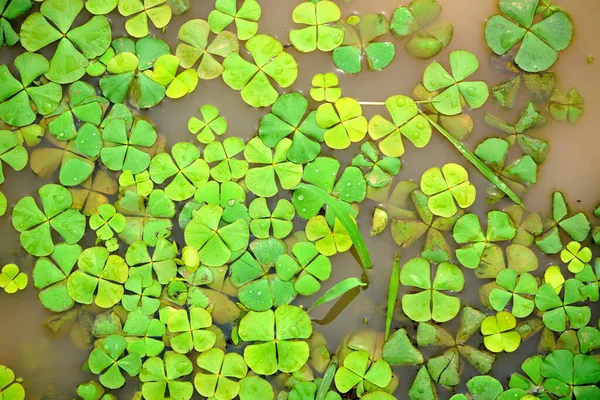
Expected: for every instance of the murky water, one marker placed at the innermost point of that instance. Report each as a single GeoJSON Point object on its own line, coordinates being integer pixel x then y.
{"type": "Point", "coordinates": [47, 363]}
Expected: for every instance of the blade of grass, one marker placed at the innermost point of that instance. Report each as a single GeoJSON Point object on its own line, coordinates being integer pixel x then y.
{"type": "Point", "coordinates": [325, 384]}
{"type": "Point", "coordinates": [344, 216]}
{"type": "Point", "coordinates": [392, 295]}
{"type": "Point", "coordinates": [338, 290]}
{"type": "Point", "coordinates": [480, 165]}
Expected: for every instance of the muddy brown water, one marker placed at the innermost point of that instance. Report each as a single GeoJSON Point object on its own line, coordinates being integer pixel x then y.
{"type": "Point", "coordinates": [50, 364]}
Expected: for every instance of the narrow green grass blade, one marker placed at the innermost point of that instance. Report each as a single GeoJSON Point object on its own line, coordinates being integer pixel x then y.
{"type": "Point", "coordinates": [480, 165]}
{"type": "Point", "coordinates": [392, 295]}
{"type": "Point", "coordinates": [325, 384]}
{"type": "Point", "coordinates": [338, 290]}
{"type": "Point", "coordinates": [341, 212]}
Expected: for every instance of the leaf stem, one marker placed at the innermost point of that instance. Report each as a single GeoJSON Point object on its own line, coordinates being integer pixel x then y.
{"type": "Point", "coordinates": [371, 103]}
{"type": "Point", "coordinates": [480, 165]}
{"type": "Point", "coordinates": [392, 295]}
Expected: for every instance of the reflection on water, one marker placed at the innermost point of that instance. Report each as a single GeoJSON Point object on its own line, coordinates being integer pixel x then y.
{"type": "Point", "coordinates": [46, 362]}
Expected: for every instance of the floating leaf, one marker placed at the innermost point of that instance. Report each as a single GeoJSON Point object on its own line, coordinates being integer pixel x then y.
{"type": "Point", "coordinates": [416, 19]}
{"type": "Point", "coordinates": [35, 225]}
{"type": "Point", "coordinates": [16, 97]}
{"type": "Point", "coordinates": [252, 79]}
{"type": "Point", "coordinates": [278, 339]}
{"type": "Point", "coordinates": [457, 92]}
{"type": "Point", "coordinates": [445, 186]}
{"type": "Point", "coordinates": [12, 279]}
{"type": "Point", "coordinates": [109, 359]}
{"type": "Point", "coordinates": [195, 37]}
{"type": "Point", "coordinates": [320, 34]}
{"type": "Point", "coordinates": [76, 46]}
{"type": "Point", "coordinates": [566, 106]}
{"type": "Point", "coordinates": [325, 88]}
{"type": "Point", "coordinates": [541, 41]}
{"type": "Point", "coordinates": [245, 17]}
{"type": "Point", "coordinates": [137, 26]}
{"type": "Point", "coordinates": [431, 302]}
{"type": "Point", "coordinates": [499, 334]}
{"type": "Point", "coordinates": [161, 374]}
{"type": "Point", "coordinates": [358, 44]}
{"type": "Point", "coordinates": [10, 386]}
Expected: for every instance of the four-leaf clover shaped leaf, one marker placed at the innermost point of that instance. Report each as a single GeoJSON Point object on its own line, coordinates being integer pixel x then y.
{"type": "Point", "coordinates": [162, 261]}
{"type": "Point", "coordinates": [450, 102]}
{"type": "Point", "coordinates": [445, 186]}
{"type": "Point", "coordinates": [165, 73]}
{"type": "Point", "coordinates": [12, 152]}
{"type": "Point", "coordinates": [50, 275]}
{"type": "Point", "coordinates": [245, 18]}
{"type": "Point", "coordinates": [109, 359]}
{"type": "Point", "coordinates": [322, 172]}
{"type": "Point", "coordinates": [128, 76]}
{"type": "Point", "coordinates": [541, 41]}
{"type": "Point", "coordinates": [560, 311]}
{"type": "Point", "coordinates": [359, 34]}
{"type": "Point", "coordinates": [12, 279]}
{"type": "Point", "coordinates": [576, 256]}
{"type": "Point", "coordinates": [253, 78]}
{"type": "Point", "coordinates": [144, 334]}
{"type": "Point", "coordinates": [143, 298]}
{"type": "Point", "coordinates": [227, 168]}
{"type": "Point", "coordinates": [188, 170]}
{"type": "Point", "coordinates": [217, 243]}
{"type": "Point", "coordinates": [468, 230]}
{"type": "Point", "coordinates": [9, 10]}
{"type": "Point", "coordinates": [518, 288]}
{"type": "Point", "coordinates": [75, 47]}
{"type": "Point", "coordinates": [194, 34]}
{"type": "Point", "coordinates": [261, 180]}
{"type": "Point", "coordinates": [99, 278]}
{"type": "Point", "coordinates": [319, 34]}
{"type": "Point", "coordinates": [328, 241]}
{"type": "Point", "coordinates": [220, 374]}
{"type": "Point", "coordinates": [306, 267]}
{"type": "Point", "coordinates": [34, 224]}
{"type": "Point", "coordinates": [358, 370]}
{"type": "Point", "coordinates": [278, 339]}
{"type": "Point", "coordinates": [428, 40]}
{"type": "Point", "coordinates": [287, 116]}
{"type": "Point", "coordinates": [190, 330]}
{"type": "Point", "coordinates": [156, 10]}
{"type": "Point", "coordinates": [344, 122]}
{"type": "Point", "coordinates": [569, 374]}
{"type": "Point", "coordinates": [161, 375]}
{"type": "Point", "coordinates": [325, 88]}
{"type": "Point", "coordinates": [406, 121]}
{"type": "Point", "coordinates": [210, 124]}
{"type": "Point", "coordinates": [566, 106]}
{"type": "Point", "coordinates": [125, 147]}
{"type": "Point", "coordinates": [107, 221]}
{"type": "Point", "coordinates": [263, 220]}
{"type": "Point", "coordinates": [499, 333]}
{"type": "Point", "coordinates": [16, 96]}
{"type": "Point", "coordinates": [431, 303]}
{"type": "Point", "coordinates": [380, 171]}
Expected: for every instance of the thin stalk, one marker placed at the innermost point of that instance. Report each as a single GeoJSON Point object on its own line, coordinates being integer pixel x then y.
{"type": "Point", "coordinates": [392, 295]}
{"type": "Point", "coordinates": [480, 165]}
{"type": "Point", "coordinates": [371, 103]}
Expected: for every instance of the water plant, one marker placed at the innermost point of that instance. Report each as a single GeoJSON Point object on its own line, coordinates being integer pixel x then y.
{"type": "Point", "coordinates": [215, 266]}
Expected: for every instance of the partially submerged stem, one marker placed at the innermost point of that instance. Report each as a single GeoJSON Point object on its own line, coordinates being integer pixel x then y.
{"type": "Point", "coordinates": [480, 165]}
{"type": "Point", "coordinates": [392, 295]}
{"type": "Point", "coordinates": [371, 103]}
